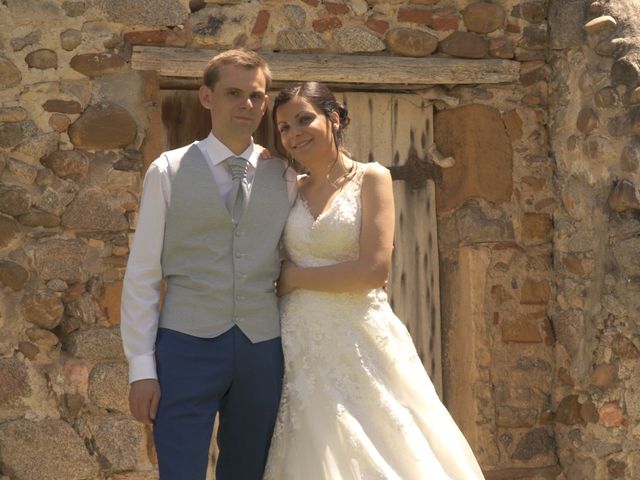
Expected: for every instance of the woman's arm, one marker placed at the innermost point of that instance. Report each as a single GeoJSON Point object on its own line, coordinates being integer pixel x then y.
{"type": "Point", "coordinates": [371, 268]}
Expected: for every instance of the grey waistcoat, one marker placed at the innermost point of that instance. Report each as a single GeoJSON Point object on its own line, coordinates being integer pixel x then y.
{"type": "Point", "coordinates": [218, 274]}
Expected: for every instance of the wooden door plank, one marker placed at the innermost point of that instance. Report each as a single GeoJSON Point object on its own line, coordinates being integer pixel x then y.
{"type": "Point", "coordinates": [386, 127]}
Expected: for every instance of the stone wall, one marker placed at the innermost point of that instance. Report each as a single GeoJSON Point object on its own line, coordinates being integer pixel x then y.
{"type": "Point", "coordinates": [538, 220]}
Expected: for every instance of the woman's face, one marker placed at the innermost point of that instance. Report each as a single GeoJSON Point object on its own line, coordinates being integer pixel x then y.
{"type": "Point", "coordinates": [305, 132]}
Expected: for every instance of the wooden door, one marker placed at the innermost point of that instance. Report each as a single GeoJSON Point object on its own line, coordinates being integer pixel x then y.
{"type": "Point", "coordinates": [389, 129]}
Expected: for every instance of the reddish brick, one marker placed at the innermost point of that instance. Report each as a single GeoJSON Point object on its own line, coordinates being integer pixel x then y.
{"type": "Point", "coordinates": [147, 37]}
{"type": "Point", "coordinates": [325, 24]}
{"type": "Point", "coordinates": [262, 21]}
{"type": "Point", "coordinates": [611, 414]}
{"type": "Point", "coordinates": [447, 22]}
{"type": "Point", "coordinates": [513, 28]}
{"type": "Point", "coordinates": [378, 26]}
{"type": "Point", "coordinates": [336, 8]}
{"type": "Point", "coordinates": [313, 3]}
{"type": "Point", "coordinates": [415, 15]}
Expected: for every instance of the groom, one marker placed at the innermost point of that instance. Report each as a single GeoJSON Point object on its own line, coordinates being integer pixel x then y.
{"type": "Point", "coordinates": [211, 217]}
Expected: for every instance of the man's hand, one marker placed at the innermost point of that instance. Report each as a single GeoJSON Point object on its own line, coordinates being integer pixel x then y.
{"type": "Point", "coordinates": [144, 396]}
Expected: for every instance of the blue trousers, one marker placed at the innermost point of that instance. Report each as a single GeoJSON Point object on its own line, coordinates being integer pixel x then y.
{"type": "Point", "coordinates": [201, 376]}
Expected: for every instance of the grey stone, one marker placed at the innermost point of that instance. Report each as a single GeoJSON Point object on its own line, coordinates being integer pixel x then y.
{"type": "Point", "coordinates": [97, 344]}
{"type": "Point", "coordinates": [535, 442]}
{"type": "Point", "coordinates": [40, 145]}
{"type": "Point", "coordinates": [60, 258]}
{"type": "Point", "coordinates": [109, 386]}
{"type": "Point", "coordinates": [14, 379]}
{"type": "Point", "coordinates": [29, 39]}
{"type": "Point", "coordinates": [534, 37]}
{"type": "Point", "coordinates": [44, 450]}
{"type": "Point", "coordinates": [534, 11]}
{"type": "Point", "coordinates": [10, 76]}
{"type": "Point", "coordinates": [74, 9]}
{"type": "Point", "coordinates": [95, 209]}
{"type": "Point", "coordinates": [57, 285]}
{"type": "Point", "coordinates": [13, 114]}
{"type": "Point", "coordinates": [116, 439]}
{"type": "Point", "coordinates": [37, 218]}
{"type": "Point", "coordinates": [566, 20]}
{"type": "Point", "coordinates": [10, 134]}
{"type": "Point", "coordinates": [357, 39]}
{"type": "Point", "coordinates": [42, 59]}
{"type": "Point", "coordinates": [152, 13]}
{"type": "Point", "coordinates": [472, 225]}
{"type": "Point", "coordinates": [294, 40]}
{"type": "Point", "coordinates": [42, 308]}
{"type": "Point", "coordinates": [13, 275]}
{"type": "Point", "coordinates": [9, 230]}
{"type": "Point", "coordinates": [57, 195]}
{"type": "Point", "coordinates": [295, 15]}
{"type": "Point", "coordinates": [14, 200]}
{"type": "Point", "coordinates": [515, 417]}
{"type": "Point", "coordinates": [630, 158]}
{"type": "Point", "coordinates": [70, 39]}
{"type": "Point", "coordinates": [84, 309]}
{"type": "Point", "coordinates": [21, 171]}
{"type": "Point", "coordinates": [625, 252]}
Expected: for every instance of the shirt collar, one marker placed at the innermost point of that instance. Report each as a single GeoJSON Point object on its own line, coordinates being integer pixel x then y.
{"type": "Point", "coordinates": [219, 152]}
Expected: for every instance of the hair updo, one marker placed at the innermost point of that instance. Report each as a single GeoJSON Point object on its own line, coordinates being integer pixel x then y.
{"type": "Point", "coordinates": [318, 95]}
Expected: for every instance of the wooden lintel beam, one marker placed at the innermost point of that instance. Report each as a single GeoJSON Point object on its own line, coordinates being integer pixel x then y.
{"type": "Point", "coordinates": [336, 68]}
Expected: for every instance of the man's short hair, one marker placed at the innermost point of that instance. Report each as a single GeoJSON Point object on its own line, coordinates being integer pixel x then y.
{"type": "Point", "coordinates": [241, 57]}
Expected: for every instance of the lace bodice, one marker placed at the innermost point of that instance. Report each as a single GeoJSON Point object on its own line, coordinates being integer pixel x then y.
{"type": "Point", "coordinates": [331, 238]}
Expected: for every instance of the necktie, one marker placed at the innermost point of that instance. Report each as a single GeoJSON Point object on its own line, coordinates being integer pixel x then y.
{"type": "Point", "coordinates": [237, 199]}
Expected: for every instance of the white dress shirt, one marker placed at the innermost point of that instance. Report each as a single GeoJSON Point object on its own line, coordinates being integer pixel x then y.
{"type": "Point", "coordinates": [141, 290]}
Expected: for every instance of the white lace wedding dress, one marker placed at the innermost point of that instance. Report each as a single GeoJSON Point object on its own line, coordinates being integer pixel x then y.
{"type": "Point", "coordinates": [356, 402]}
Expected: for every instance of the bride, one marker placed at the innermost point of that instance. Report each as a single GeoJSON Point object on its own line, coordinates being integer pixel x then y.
{"type": "Point", "coordinates": [356, 402]}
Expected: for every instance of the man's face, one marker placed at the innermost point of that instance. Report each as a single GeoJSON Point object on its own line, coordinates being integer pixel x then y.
{"type": "Point", "coordinates": [237, 103]}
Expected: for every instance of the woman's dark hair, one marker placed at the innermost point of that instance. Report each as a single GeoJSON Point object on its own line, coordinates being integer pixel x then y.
{"type": "Point", "coordinates": [318, 95]}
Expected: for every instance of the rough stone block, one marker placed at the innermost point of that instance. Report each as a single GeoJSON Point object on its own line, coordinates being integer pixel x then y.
{"type": "Point", "coordinates": [95, 209]}
{"type": "Point", "coordinates": [109, 386]}
{"type": "Point", "coordinates": [60, 258]}
{"type": "Point", "coordinates": [96, 344]}
{"type": "Point", "coordinates": [45, 450]}
{"type": "Point", "coordinates": [357, 39]}
{"type": "Point", "coordinates": [464, 45]}
{"type": "Point", "coordinates": [10, 76]}
{"type": "Point", "coordinates": [157, 13]}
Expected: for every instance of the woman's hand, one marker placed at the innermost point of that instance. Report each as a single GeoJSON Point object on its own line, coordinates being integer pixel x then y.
{"type": "Point", "coordinates": [285, 283]}
{"type": "Point", "coordinates": [265, 154]}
